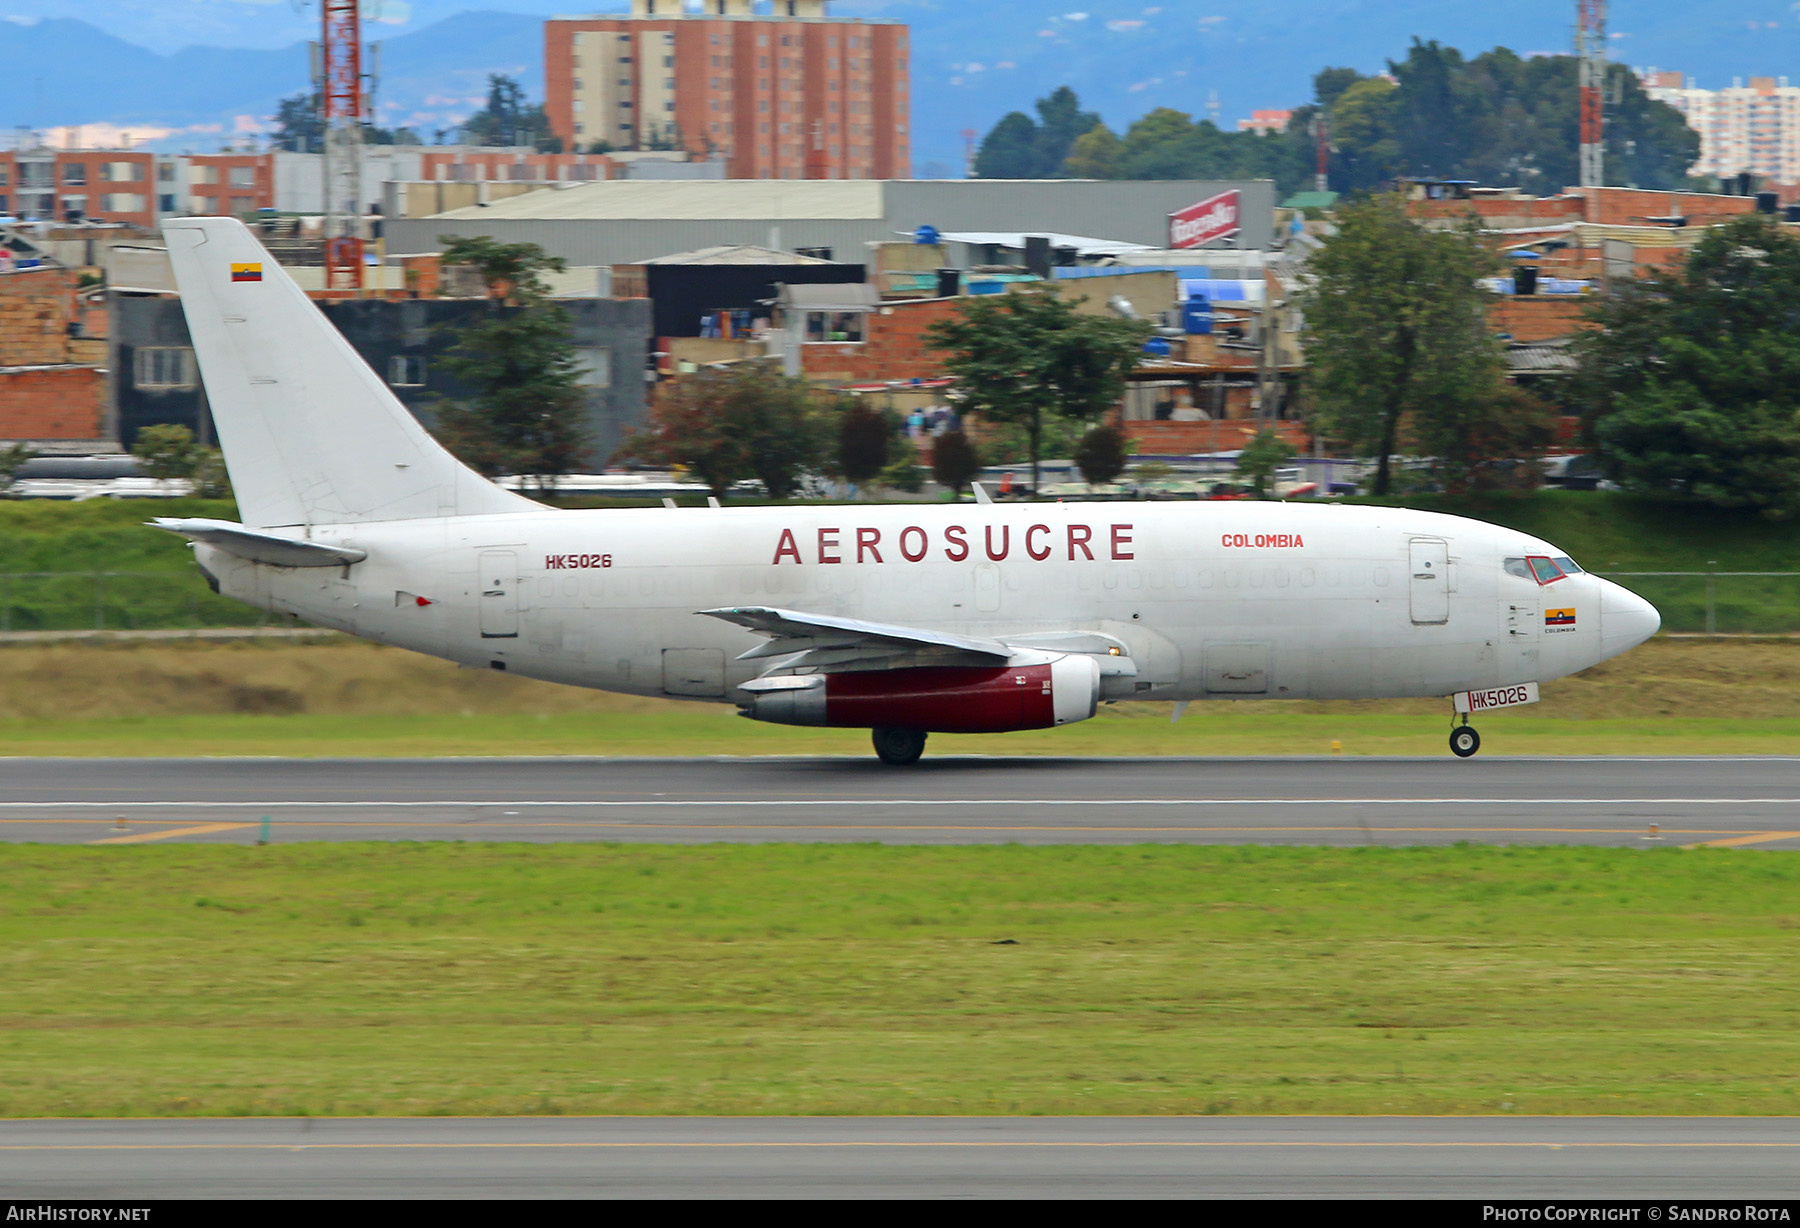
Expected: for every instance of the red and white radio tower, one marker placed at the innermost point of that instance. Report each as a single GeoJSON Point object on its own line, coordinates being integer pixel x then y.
{"type": "Point", "coordinates": [343, 111]}
{"type": "Point", "coordinates": [1590, 52]}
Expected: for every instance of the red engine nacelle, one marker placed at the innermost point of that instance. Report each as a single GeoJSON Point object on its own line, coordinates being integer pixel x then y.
{"type": "Point", "coordinates": [1042, 693]}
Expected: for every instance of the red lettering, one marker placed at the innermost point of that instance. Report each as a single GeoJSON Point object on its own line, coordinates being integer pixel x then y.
{"type": "Point", "coordinates": [1036, 554]}
{"type": "Point", "coordinates": [958, 550]}
{"type": "Point", "coordinates": [868, 539]}
{"type": "Point", "coordinates": [1005, 541]}
{"type": "Point", "coordinates": [1121, 536]}
{"type": "Point", "coordinates": [1079, 537]}
{"type": "Point", "coordinates": [825, 541]}
{"type": "Point", "coordinates": [913, 556]}
{"type": "Point", "coordinates": [786, 547]}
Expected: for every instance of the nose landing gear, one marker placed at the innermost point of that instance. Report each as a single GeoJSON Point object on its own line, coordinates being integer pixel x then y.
{"type": "Point", "coordinates": [1464, 741]}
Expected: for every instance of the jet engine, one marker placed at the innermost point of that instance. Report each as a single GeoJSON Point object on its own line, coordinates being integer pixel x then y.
{"type": "Point", "coordinates": [1033, 691]}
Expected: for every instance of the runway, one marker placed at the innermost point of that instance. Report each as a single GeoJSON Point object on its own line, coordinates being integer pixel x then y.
{"type": "Point", "coordinates": [928, 1157]}
{"type": "Point", "coordinates": [1644, 802]}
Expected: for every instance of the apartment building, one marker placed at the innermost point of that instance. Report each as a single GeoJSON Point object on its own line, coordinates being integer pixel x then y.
{"type": "Point", "coordinates": [789, 92]}
{"type": "Point", "coordinates": [1754, 127]}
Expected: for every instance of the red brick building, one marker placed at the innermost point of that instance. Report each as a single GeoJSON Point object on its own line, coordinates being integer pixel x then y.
{"type": "Point", "coordinates": [52, 372]}
{"type": "Point", "coordinates": [796, 94]}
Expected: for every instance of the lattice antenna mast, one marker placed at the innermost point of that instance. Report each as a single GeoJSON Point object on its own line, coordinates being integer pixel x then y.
{"type": "Point", "coordinates": [343, 111]}
{"type": "Point", "coordinates": [1590, 52]}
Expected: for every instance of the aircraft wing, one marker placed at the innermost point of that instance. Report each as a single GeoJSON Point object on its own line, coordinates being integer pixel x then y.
{"type": "Point", "coordinates": [260, 546]}
{"type": "Point", "coordinates": [829, 641]}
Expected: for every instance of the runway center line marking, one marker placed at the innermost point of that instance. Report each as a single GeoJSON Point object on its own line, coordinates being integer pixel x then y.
{"type": "Point", "coordinates": [202, 829]}
{"type": "Point", "coordinates": [858, 1143]}
{"type": "Point", "coordinates": [1735, 841]}
{"type": "Point", "coordinates": [865, 803]}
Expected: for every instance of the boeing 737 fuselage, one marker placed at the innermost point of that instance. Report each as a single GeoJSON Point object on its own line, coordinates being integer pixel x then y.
{"type": "Point", "coordinates": [900, 619]}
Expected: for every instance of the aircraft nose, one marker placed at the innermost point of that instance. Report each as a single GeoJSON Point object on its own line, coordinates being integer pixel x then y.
{"type": "Point", "coordinates": [1626, 619]}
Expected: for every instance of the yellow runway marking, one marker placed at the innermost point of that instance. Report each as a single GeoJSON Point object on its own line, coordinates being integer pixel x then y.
{"type": "Point", "coordinates": [203, 829]}
{"type": "Point", "coordinates": [1755, 838]}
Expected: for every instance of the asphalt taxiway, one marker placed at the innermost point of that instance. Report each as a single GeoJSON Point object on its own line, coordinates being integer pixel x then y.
{"type": "Point", "coordinates": [1636, 802]}
{"type": "Point", "coordinates": [1571, 1158]}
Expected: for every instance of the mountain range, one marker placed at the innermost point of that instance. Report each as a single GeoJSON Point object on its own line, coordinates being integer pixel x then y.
{"type": "Point", "coordinates": [193, 73]}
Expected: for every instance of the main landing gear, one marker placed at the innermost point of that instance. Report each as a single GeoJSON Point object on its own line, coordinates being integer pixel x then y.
{"type": "Point", "coordinates": [1464, 741]}
{"type": "Point", "coordinates": [899, 747]}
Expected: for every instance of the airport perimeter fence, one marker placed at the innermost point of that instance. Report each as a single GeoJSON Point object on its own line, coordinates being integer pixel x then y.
{"type": "Point", "coordinates": [1708, 602]}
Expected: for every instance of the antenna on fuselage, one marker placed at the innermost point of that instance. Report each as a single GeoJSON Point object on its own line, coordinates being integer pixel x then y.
{"type": "Point", "coordinates": [981, 494]}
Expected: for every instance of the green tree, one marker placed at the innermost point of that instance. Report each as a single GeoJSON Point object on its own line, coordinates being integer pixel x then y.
{"type": "Point", "coordinates": [728, 424]}
{"type": "Point", "coordinates": [1102, 454]}
{"type": "Point", "coordinates": [12, 458]}
{"type": "Point", "coordinates": [1260, 458]}
{"type": "Point", "coordinates": [169, 451]}
{"type": "Point", "coordinates": [954, 461]}
{"type": "Point", "coordinates": [1690, 387]}
{"type": "Point", "coordinates": [299, 125]}
{"type": "Point", "coordinates": [902, 472]}
{"type": "Point", "coordinates": [526, 415]}
{"type": "Point", "coordinates": [1019, 147]}
{"type": "Point", "coordinates": [509, 120]}
{"type": "Point", "coordinates": [1009, 150]}
{"type": "Point", "coordinates": [1362, 131]}
{"type": "Point", "coordinates": [1397, 342]}
{"type": "Point", "coordinates": [862, 443]}
{"type": "Point", "coordinates": [166, 451]}
{"type": "Point", "coordinates": [1020, 356]}
{"type": "Point", "coordinates": [1061, 121]}
{"type": "Point", "coordinates": [1094, 155]}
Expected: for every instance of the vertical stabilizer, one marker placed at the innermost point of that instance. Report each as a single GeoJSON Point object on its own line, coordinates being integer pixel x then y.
{"type": "Point", "coordinates": [311, 435]}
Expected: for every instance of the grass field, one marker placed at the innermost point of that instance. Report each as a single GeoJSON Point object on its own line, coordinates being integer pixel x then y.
{"type": "Point", "coordinates": [449, 979]}
{"type": "Point", "coordinates": [344, 697]}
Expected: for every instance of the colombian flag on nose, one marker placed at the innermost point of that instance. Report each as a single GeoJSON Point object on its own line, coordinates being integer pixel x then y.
{"type": "Point", "coordinates": [246, 272]}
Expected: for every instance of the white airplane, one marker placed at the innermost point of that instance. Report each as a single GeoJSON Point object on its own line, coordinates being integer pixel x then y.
{"type": "Point", "coordinates": [904, 620]}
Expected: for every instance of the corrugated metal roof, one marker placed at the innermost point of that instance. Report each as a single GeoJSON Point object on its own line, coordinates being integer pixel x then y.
{"type": "Point", "coordinates": [736, 253]}
{"type": "Point", "coordinates": [1549, 358]}
{"type": "Point", "coordinates": [1013, 239]}
{"type": "Point", "coordinates": [770, 200]}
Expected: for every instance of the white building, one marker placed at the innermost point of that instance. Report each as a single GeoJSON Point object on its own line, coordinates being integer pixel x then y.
{"type": "Point", "coordinates": [1754, 127]}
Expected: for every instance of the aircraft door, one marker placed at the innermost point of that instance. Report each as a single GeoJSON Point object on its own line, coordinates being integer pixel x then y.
{"type": "Point", "coordinates": [499, 588]}
{"type": "Point", "coordinates": [987, 588]}
{"type": "Point", "coordinates": [1429, 583]}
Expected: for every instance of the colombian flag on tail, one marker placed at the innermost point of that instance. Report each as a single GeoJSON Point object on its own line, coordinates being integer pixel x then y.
{"type": "Point", "coordinates": [246, 272]}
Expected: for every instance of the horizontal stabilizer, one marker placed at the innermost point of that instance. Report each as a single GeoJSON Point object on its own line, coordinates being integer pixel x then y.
{"type": "Point", "coordinates": [260, 547]}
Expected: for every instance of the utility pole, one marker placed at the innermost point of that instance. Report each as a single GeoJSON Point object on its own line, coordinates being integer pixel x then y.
{"type": "Point", "coordinates": [342, 110]}
{"type": "Point", "coordinates": [1590, 52]}
{"type": "Point", "coordinates": [1321, 134]}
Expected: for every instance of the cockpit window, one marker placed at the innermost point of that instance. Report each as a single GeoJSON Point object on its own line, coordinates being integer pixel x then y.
{"type": "Point", "coordinates": [1544, 569]}
{"type": "Point", "coordinates": [1569, 566]}
{"type": "Point", "coordinates": [1540, 568]}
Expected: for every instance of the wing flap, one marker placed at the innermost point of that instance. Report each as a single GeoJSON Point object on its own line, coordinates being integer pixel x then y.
{"type": "Point", "coordinates": [791, 631]}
